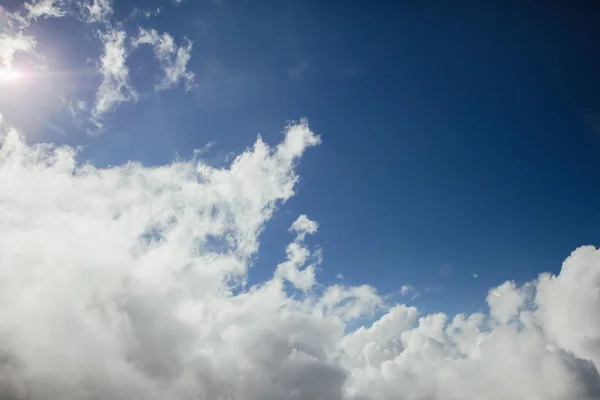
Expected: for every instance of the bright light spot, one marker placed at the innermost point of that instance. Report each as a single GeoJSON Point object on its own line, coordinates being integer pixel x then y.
{"type": "Point", "coordinates": [9, 75]}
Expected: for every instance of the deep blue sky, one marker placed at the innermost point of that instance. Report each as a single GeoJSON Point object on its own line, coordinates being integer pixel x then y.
{"type": "Point", "coordinates": [456, 135]}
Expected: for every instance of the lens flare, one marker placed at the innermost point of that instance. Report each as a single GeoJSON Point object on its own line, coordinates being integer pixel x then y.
{"type": "Point", "coordinates": [10, 75]}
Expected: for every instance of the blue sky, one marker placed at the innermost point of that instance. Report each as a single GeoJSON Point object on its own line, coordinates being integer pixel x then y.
{"type": "Point", "coordinates": [451, 135]}
{"type": "Point", "coordinates": [430, 233]}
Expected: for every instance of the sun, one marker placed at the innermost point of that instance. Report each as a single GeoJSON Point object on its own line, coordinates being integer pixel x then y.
{"type": "Point", "coordinates": [9, 75]}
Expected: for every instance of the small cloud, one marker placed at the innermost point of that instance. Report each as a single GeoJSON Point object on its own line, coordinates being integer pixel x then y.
{"type": "Point", "coordinates": [339, 276]}
{"type": "Point", "coordinates": [173, 59]}
{"type": "Point", "coordinates": [45, 8]}
{"type": "Point", "coordinates": [432, 289]}
{"type": "Point", "coordinates": [115, 87]}
{"type": "Point", "coordinates": [146, 13]}
{"type": "Point", "coordinates": [303, 226]}
{"type": "Point", "coordinates": [406, 289]}
{"type": "Point", "coordinates": [297, 71]}
{"type": "Point", "coordinates": [13, 44]}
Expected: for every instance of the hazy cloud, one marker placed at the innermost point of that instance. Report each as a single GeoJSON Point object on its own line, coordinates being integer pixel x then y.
{"type": "Point", "coordinates": [12, 44]}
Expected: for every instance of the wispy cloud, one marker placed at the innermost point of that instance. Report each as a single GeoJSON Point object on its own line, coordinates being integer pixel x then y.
{"type": "Point", "coordinates": [406, 289]}
{"type": "Point", "coordinates": [95, 11]}
{"type": "Point", "coordinates": [172, 59]}
{"type": "Point", "coordinates": [115, 87]}
{"type": "Point", "coordinates": [45, 8]}
{"type": "Point", "coordinates": [147, 13]}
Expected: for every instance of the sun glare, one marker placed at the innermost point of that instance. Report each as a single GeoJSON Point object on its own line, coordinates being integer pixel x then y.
{"type": "Point", "coordinates": [9, 75]}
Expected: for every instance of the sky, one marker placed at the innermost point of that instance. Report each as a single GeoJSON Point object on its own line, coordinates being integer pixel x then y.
{"type": "Point", "coordinates": [298, 200]}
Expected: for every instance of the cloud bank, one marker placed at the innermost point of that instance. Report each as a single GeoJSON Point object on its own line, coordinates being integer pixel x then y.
{"type": "Point", "coordinates": [128, 283]}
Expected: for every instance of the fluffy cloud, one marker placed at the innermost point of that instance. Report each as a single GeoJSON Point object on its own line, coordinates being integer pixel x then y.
{"type": "Point", "coordinates": [173, 59]}
{"type": "Point", "coordinates": [303, 226]}
{"type": "Point", "coordinates": [128, 282]}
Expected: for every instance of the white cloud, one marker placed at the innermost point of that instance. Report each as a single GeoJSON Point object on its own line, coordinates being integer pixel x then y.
{"type": "Point", "coordinates": [406, 289]}
{"type": "Point", "coordinates": [127, 282]}
{"type": "Point", "coordinates": [12, 44]}
{"type": "Point", "coordinates": [303, 226]}
{"type": "Point", "coordinates": [97, 11]}
{"type": "Point", "coordinates": [173, 59]}
{"type": "Point", "coordinates": [293, 269]}
{"type": "Point", "coordinates": [115, 87]}
{"type": "Point", "coordinates": [506, 301]}
{"type": "Point", "coordinates": [45, 8]}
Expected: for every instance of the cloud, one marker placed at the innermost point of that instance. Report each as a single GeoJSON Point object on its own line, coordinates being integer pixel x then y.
{"type": "Point", "coordinates": [293, 269]}
{"type": "Point", "coordinates": [172, 59]}
{"type": "Point", "coordinates": [127, 282]}
{"type": "Point", "coordinates": [13, 44]}
{"type": "Point", "coordinates": [406, 289]}
{"type": "Point", "coordinates": [303, 226]}
{"type": "Point", "coordinates": [96, 11]}
{"type": "Point", "coordinates": [115, 87]}
{"type": "Point", "coordinates": [146, 13]}
{"type": "Point", "coordinates": [45, 8]}
{"type": "Point", "coordinates": [506, 301]}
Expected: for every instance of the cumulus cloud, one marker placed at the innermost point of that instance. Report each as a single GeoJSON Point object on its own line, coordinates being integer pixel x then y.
{"type": "Point", "coordinates": [172, 59]}
{"type": "Point", "coordinates": [506, 301]}
{"type": "Point", "coordinates": [115, 87]}
{"type": "Point", "coordinates": [128, 282]}
{"type": "Point", "coordinates": [303, 226]}
{"type": "Point", "coordinates": [294, 269]}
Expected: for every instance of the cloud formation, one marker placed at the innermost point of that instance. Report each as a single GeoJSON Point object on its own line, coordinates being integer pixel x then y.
{"type": "Point", "coordinates": [96, 11]}
{"type": "Point", "coordinates": [11, 44]}
{"type": "Point", "coordinates": [172, 59]}
{"type": "Point", "coordinates": [128, 282]}
{"type": "Point", "coordinates": [115, 87]}
{"type": "Point", "coordinates": [45, 8]}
